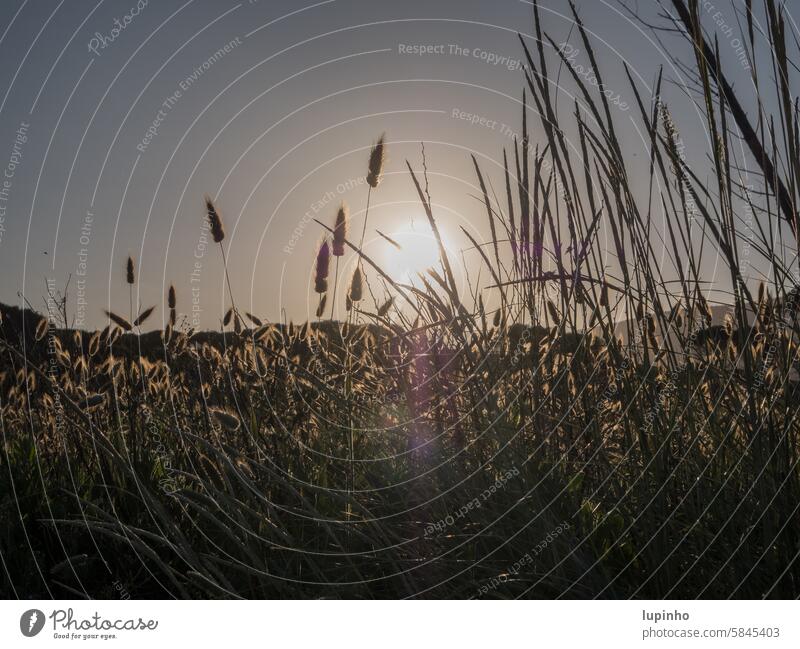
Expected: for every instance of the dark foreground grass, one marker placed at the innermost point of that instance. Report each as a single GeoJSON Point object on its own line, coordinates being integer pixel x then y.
{"type": "Point", "coordinates": [593, 433]}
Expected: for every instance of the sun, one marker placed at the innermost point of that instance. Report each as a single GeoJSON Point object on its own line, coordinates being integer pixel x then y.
{"type": "Point", "coordinates": [418, 251]}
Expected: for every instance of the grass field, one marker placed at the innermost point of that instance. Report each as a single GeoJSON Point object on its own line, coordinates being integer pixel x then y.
{"type": "Point", "coordinates": [565, 427]}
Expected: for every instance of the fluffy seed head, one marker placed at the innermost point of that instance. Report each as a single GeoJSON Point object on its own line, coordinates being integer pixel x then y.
{"type": "Point", "coordinates": [118, 320]}
{"type": "Point", "coordinates": [225, 419]}
{"type": "Point", "coordinates": [214, 220]}
{"type": "Point", "coordinates": [728, 323]}
{"type": "Point", "coordinates": [323, 263]}
{"type": "Point", "coordinates": [376, 160]}
{"type": "Point", "coordinates": [143, 316]}
{"type": "Point", "coordinates": [94, 400]}
{"type": "Point", "coordinates": [41, 328]}
{"type": "Point", "coordinates": [340, 230]}
{"type": "Point", "coordinates": [356, 286]}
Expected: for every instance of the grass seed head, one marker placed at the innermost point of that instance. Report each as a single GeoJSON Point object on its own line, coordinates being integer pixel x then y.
{"type": "Point", "coordinates": [118, 320]}
{"type": "Point", "coordinates": [356, 286]}
{"type": "Point", "coordinates": [225, 419]}
{"type": "Point", "coordinates": [340, 230]}
{"type": "Point", "coordinates": [41, 328]}
{"type": "Point", "coordinates": [214, 220]}
{"type": "Point", "coordinates": [322, 268]}
{"type": "Point", "coordinates": [144, 315]}
{"type": "Point", "coordinates": [376, 159]}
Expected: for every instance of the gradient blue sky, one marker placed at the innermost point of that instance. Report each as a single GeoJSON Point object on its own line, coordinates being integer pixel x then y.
{"type": "Point", "coordinates": [281, 122]}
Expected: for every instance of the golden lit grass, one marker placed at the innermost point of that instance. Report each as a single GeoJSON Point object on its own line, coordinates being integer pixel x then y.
{"type": "Point", "coordinates": [314, 460]}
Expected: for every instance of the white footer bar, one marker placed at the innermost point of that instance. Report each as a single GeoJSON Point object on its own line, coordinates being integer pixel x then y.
{"type": "Point", "coordinates": [399, 625]}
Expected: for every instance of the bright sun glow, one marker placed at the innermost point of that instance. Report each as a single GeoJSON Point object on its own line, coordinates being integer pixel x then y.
{"type": "Point", "coordinates": [419, 251]}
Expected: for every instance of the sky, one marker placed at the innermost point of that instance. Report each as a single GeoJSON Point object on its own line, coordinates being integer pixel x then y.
{"type": "Point", "coordinates": [118, 116]}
